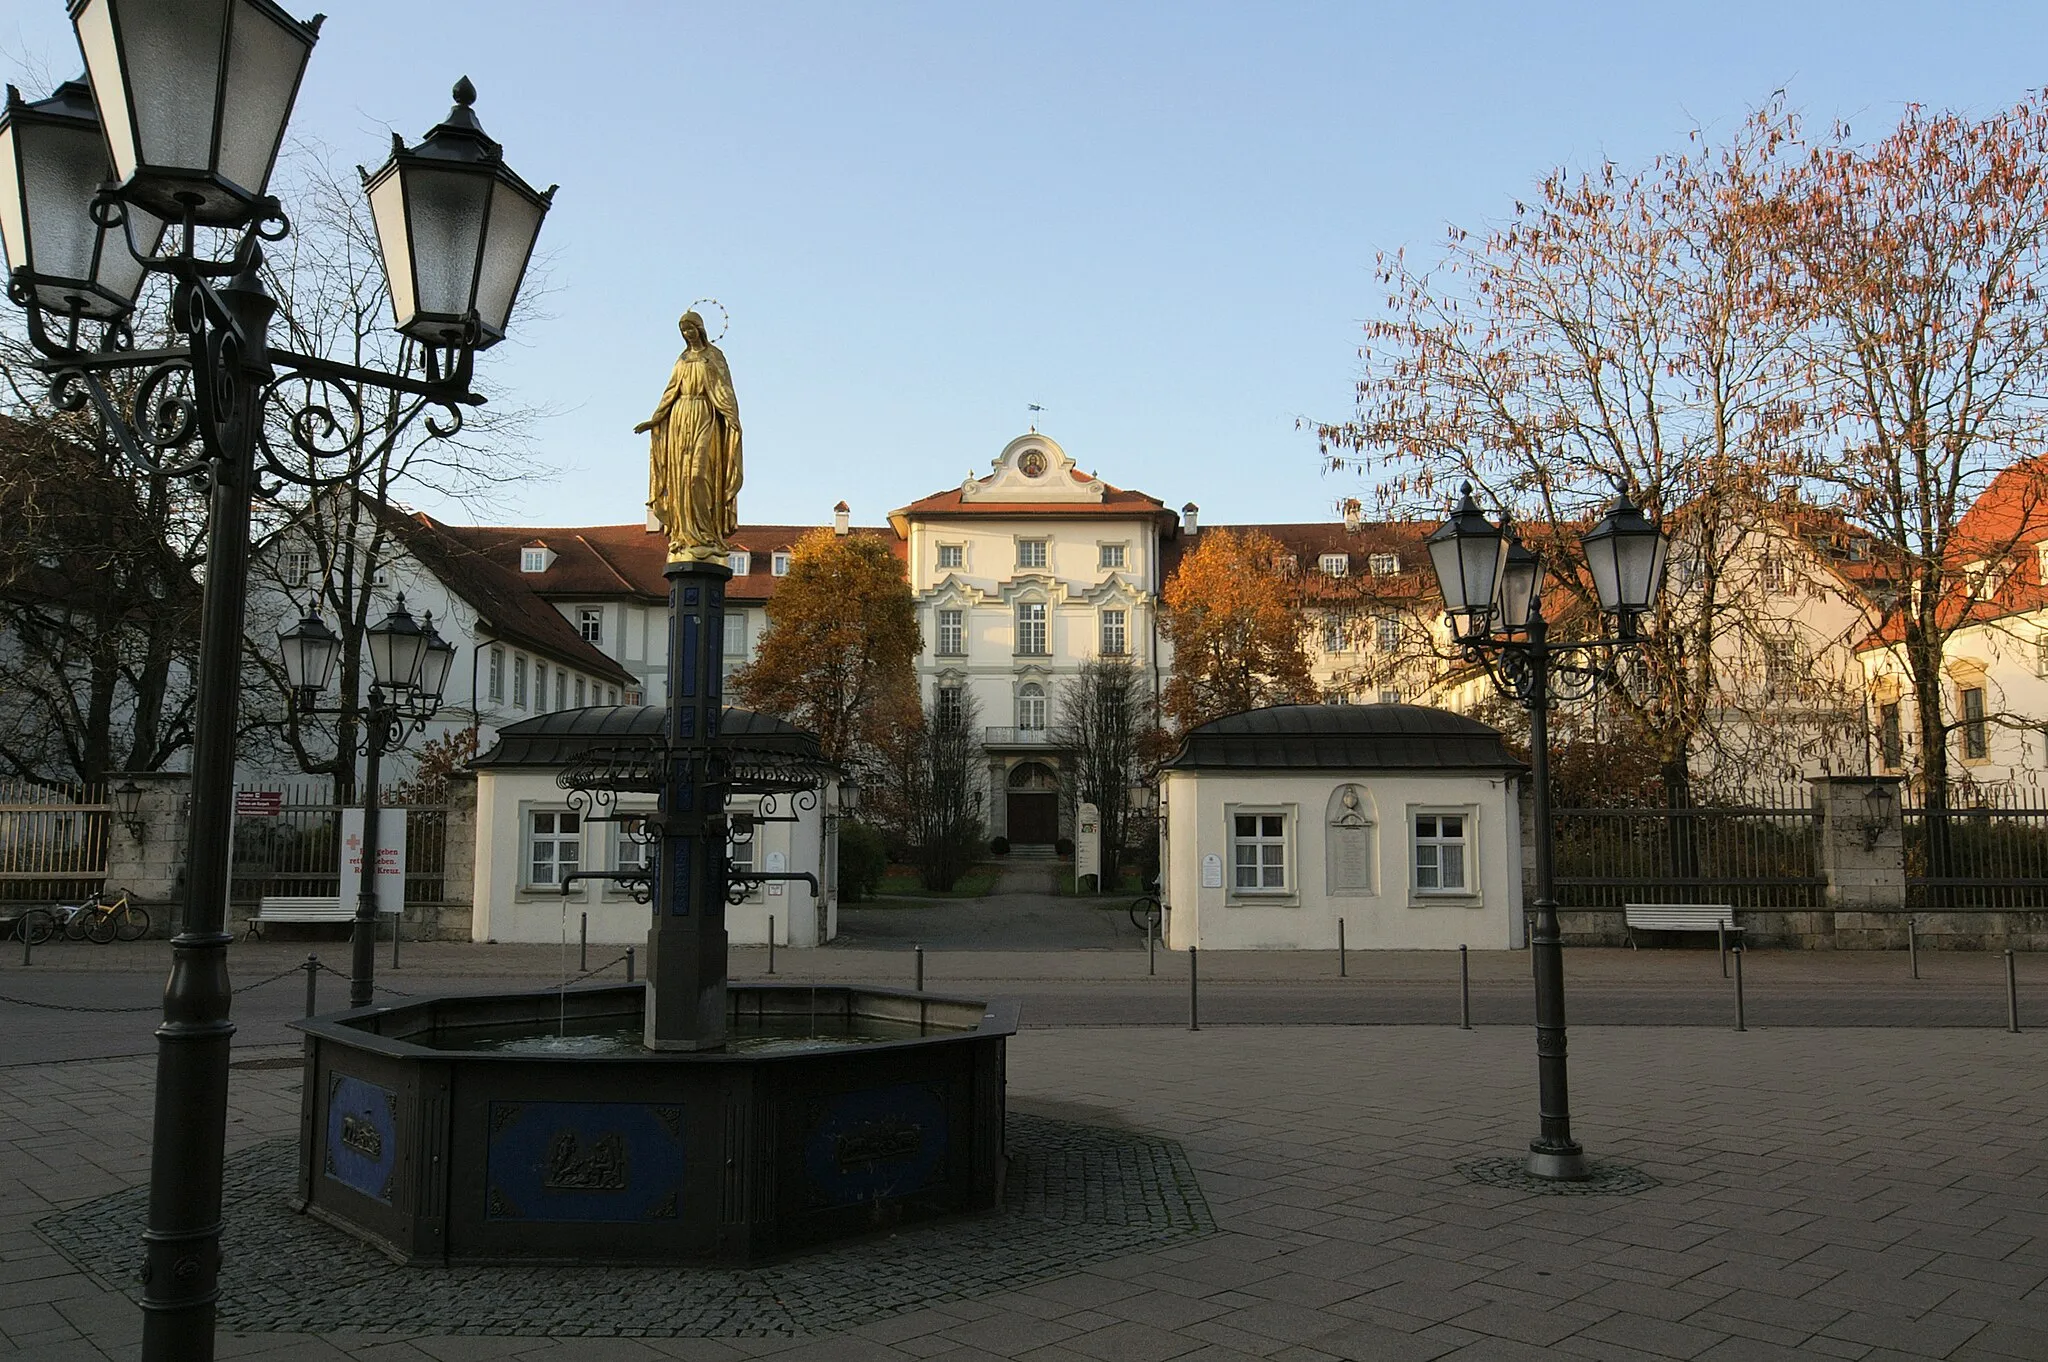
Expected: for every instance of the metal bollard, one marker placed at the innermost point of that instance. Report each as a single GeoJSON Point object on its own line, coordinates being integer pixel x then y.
{"type": "Point", "coordinates": [920, 968]}
{"type": "Point", "coordinates": [1194, 992]}
{"type": "Point", "coordinates": [2012, 995]}
{"type": "Point", "coordinates": [771, 943]}
{"type": "Point", "coordinates": [312, 968]}
{"type": "Point", "coordinates": [1342, 966]}
{"type": "Point", "coordinates": [1913, 942]}
{"type": "Point", "coordinates": [583, 945]}
{"type": "Point", "coordinates": [1739, 1023]}
{"type": "Point", "coordinates": [1464, 989]}
{"type": "Point", "coordinates": [629, 964]}
{"type": "Point", "coordinates": [1721, 940]}
{"type": "Point", "coordinates": [1151, 945]}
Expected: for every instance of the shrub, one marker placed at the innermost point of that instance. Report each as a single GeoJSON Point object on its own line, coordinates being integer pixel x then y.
{"type": "Point", "coordinates": [863, 857]}
{"type": "Point", "coordinates": [1064, 847]}
{"type": "Point", "coordinates": [1000, 846]}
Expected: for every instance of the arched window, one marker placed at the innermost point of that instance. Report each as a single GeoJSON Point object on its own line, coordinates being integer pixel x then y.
{"type": "Point", "coordinates": [1031, 706]}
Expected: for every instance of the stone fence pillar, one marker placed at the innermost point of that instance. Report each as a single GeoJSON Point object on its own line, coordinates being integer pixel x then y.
{"type": "Point", "coordinates": [146, 855]}
{"type": "Point", "coordinates": [458, 861]}
{"type": "Point", "coordinates": [1863, 855]}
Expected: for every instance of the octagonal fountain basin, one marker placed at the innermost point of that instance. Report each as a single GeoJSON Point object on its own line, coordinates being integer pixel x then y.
{"type": "Point", "coordinates": [533, 1126]}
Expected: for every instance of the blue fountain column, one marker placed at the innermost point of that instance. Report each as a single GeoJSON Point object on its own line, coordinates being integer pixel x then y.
{"type": "Point", "coordinates": [686, 948]}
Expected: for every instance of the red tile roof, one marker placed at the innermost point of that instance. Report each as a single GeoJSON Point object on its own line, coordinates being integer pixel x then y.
{"type": "Point", "coordinates": [506, 607]}
{"type": "Point", "coordinates": [611, 562]}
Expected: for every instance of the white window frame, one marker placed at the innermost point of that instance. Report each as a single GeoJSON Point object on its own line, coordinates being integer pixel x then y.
{"type": "Point", "coordinates": [298, 566]}
{"type": "Point", "coordinates": [611, 695]}
{"type": "Point", "coordinates": [533, 559]}
{"type": "Point", "coordinates": [519, 680]}
{"type": "Point", "coordinates": [959, 555]}
{"type": "Point", "coordinates": [1973, 731]}
{"type": "Point", "coordinates": [580, 693]}
{"type": "Point", "coordinates": [778, 564]}
{"type": "Point", "coordinates": [1033, 625]}
{"type": "Point", "coordinates": [734, 637]}
{"type": "Point", "coordinates": [1031, 708]}
{"type": "Point", "coordinates": [1113, 557]}
{"type": "Point", "coordinates": [1468, 847]}
{"type": "Point", "coordinates": [495, 673]}
{"type": "Point", "coordinates": [950, 636]}
{"type": "Point", "coordinates": [561, 689]}
{"type": "Point", "coordinates": [752, 845]}
{"type": "Point", "coordinates": [948, 696]}
{"type": "Point", "coordinates": [1334, 564]}
{"type": "Point", "coordinates": [1029, 549]}
{"type": "Point", "coordinates": [1334, 640]}
{"type": "Point", "coordinates": [1383, 564]}
{"type": "Point", "coordinates": [555, 837]}
{"type": "Point", "coordinates": [1115, 637]}
{"type": "Point", "coordinates": [1386, 633]}
{"type": "Point", "coordinates": [590, 623]}
{"type": "Point", "coordinates": [740, 561]}
{"type": "Point", "coordinates": [1284, 843]}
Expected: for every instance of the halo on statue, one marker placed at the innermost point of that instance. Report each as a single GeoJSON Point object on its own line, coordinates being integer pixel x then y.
{"type": "Point", "coordinates": [724, 317]}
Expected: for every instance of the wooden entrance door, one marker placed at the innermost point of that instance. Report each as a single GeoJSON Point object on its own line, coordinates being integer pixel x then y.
{"type": "Point", "coordinates": [1034, 817]}
{"type": "Point", "coordinates": [1034, 804]}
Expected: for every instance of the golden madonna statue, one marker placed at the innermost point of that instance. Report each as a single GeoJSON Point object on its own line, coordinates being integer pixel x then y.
{"type": "Point", "coordinates": [693, 484]}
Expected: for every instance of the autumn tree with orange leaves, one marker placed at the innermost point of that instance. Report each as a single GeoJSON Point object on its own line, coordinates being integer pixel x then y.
{"type": "Point", "coordinates": [842, 643]}
{"type": "Point", "coordinates": [1237, 634]}
{"type": "Point", "coordinates": [1623, 331]}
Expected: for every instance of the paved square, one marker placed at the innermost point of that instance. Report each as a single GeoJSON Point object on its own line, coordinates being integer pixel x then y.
{"type": "Point", "coordinates": [1869, 1194]}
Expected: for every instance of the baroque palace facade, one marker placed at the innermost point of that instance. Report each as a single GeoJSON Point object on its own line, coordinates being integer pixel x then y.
{"type": "Point", "coordinates": [1020, 578]}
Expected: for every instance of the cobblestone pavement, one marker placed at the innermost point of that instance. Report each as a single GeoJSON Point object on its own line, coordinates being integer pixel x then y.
{"type": "Point", "coordinates": [1865, 1194]}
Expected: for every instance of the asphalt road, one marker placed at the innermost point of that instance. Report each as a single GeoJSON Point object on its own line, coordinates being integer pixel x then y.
{"type": "Point", "coordinates": [57, 1013]}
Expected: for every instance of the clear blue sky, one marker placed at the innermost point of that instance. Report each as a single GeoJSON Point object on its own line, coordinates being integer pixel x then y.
{"type": "Point", "coordinates": [1157, 221]}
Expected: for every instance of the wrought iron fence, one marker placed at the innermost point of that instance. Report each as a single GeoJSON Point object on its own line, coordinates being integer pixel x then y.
{"type": "Point", "coordinates": [297, 850]}
{"type": "Point", "coordinates": [1991, 854]}
{"type": "Point", "coordinates": [1759, 850]}
{"type": "Point", "coordinates": [53, 841]}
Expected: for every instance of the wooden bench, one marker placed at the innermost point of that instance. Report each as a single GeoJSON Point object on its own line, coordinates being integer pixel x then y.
{"type": "Point", "coordinates": [296, 909]}
{"type": "Point", "coordinates": [1679, 917]}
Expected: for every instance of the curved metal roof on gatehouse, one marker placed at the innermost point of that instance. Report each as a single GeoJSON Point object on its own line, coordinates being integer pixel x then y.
{"type": "Point", "coordinates": [567, 735]}
{"type": "Point", "coordinates": [1345, 738]}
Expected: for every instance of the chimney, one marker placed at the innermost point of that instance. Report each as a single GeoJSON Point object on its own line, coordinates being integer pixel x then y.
{"type": "Point", "coordinates": [840, 513]}
{"type": "Point", "coordinates": [1353, 514]}
{"type": "Point", "coordinates": [1188, 513]}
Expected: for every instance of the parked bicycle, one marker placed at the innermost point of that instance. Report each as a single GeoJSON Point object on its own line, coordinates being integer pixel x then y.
{"type": "Point", "coordinates": [98, 920]}
{"type": "Point", "coordinates": [1144, 911]}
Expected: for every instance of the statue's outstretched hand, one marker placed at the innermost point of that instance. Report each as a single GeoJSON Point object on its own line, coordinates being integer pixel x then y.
{"type": "Point", "coordinates": [643, 427]}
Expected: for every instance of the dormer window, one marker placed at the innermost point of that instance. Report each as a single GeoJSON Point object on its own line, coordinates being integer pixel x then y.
{"type": "Point", "coordinates": [1335, 564]}
{"type": "Point", "coordinates": [1384, 564]}
{"type": "Point", "coordinates": [533, 558]}
{"type": "Point", "coordinates": [739, 560]}
{"type": "Point", "coordinates": [779, 565]}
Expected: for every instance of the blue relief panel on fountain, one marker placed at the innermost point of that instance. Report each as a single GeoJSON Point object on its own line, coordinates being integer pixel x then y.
{"type": "Point", "coordinates": [875, 1144]}
{"type": "Point", "coordinates": [362, 1136]}
{"type": "Point", "coordinates": [584, 1161]}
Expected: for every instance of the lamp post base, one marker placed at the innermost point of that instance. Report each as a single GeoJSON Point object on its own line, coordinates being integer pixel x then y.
{"type": "Point", "coordinates": [1566, 1164]}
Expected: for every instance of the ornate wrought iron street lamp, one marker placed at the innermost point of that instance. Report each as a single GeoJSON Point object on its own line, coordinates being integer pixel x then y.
{"type": "Point", "coordinates": [188, 107]}
{"type": "Point", "coordinates": [409, 665]}
{"type": "Point", "coordinates": [1493, 592]}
